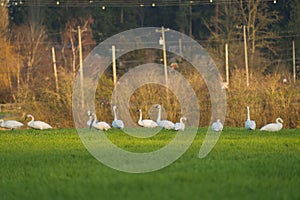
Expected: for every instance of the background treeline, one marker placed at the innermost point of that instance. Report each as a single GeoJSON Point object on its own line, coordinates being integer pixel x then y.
{"type": "Point", "coordinates": [30, 29]}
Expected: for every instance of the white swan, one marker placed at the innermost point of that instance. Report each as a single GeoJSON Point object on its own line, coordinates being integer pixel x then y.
{"type": "Point", "coordinates": [180, 126]}
{"type": "Point", "coordinates": [166, 124]}
{"type": "Point", "coordinates": [98, 125]}
{"type": "Point", "coordinates": [217, 126]}
{"type": "Point", "coordinates": [10, 124]}
{"type": "Point", "coordinates": [117, 123]}
{"type": "Point", "coordinates": [37, 124]}
{"type": "Point", "coordinates": [273, 126]}
{"type": "Point", "coordinates": [249, 124]}
{"type": "Point", "coordinates": [148, 123]}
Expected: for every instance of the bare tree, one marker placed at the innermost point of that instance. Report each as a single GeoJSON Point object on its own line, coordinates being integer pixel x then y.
{"type": "Point", "coordinates": [70, 41]}
{"type": "Point", "coordinates": [34, 37]}
{"type": "Point", "coordinates": [258, 19]}
{"type": "Point", "coordinates": [223, 30]}
{"type": "Point", "coordinates": [8, 59]}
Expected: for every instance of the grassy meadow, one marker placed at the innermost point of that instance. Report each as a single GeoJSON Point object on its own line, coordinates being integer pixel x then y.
{"type": "Point", "coordinates": [54, 164]}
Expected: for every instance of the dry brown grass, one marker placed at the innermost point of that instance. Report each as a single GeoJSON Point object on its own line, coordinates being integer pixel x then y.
{"type": "Point", "coordinates": [267, 96]}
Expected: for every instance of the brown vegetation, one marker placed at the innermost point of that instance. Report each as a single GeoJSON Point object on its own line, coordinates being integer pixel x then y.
{"type": "Point", "coordinates": [267, 96]}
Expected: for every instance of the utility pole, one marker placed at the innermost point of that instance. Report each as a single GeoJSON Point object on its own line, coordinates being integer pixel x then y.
{"type": "Point", "coordinates": [294, 62]}
{"type": "Point", "coordinates": [113, 51]}
{"type": "Point", "coordinates": [18, 75]}
{"type": "Point", "coordinates": [246, 55]}
{"type": "Point", "coordinates": [226, 64]}
{"type": "Point", "coordinates": [80, 66]}
{"type": "Point", "coordinates": [55, 70]}
{"type": "Point", "coordinates": [162, 42]}
{"type": "Point", "coordinates": [79, 31]}
{"type": "Point", "coordinates": [18, 67]}
{"type": "Point", "coordinates": [190, 19]}
{"type": "Point", "coordinates": [114, 68]}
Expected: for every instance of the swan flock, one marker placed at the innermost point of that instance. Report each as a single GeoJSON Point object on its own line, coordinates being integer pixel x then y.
{"type": "Point", "coordinates": [92, 122]}
{"type": "Point", "coordinates": [216, 126]}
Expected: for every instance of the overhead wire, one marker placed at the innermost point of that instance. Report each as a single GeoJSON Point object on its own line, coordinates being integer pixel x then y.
{"type": "Point", "coordinates": [118, 3]}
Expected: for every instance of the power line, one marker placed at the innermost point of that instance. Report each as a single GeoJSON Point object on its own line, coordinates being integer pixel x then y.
{"type": "Point", "coordinates": [117, 3]}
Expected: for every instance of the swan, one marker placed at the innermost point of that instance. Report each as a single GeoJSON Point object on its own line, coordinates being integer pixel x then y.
{"type": "Point", "coordinates": [98, 125]}
{"type": "Point", "coordinates": [249, 124]}
{"type": "Point", "coordinates": [217, 126]}
{"type": "Point", "coordinates": [10, 124]}
{"type": "Point", "coordinates": [273, 126]}
{"type": "Point", "coordinates": [37, 124]}
{"type": "Point", "coordinates": [117, 123]}
{"type": "Point", "coordinates": [148, 123]}
{"type": "Point", "coordinates": [179, 126]}
{"type": "Point", "coordinates": [166, 124]}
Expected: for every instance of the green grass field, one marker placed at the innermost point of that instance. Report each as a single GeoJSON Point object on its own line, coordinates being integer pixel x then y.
{"type": "Point", "coordinates": [54, 164]}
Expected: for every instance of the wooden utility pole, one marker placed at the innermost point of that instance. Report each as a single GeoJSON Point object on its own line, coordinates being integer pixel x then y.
{"type": "Point", "coordinates": [114, 65]}
{"type": "Point", "coordinates": [114, 68]}
{"type": "Point", "coordinates": [163, 43]}
{"type": "Point", "coordinates": [164, 54]}
{"type": "Point", "coordinates": [294, 62]}
{"type": "Point", "coordinates": [190, 20]}
{"type": "Point", "coordinates": [79, 31]}
{"type": "Point", "coordinates": [246, 55]}
{"type": "Point", "coordinates": [55, 70]}
{"type": "Point", "coordinates": [226, 63]}
{"type": "Point", "coordinates": [18, 67]}
{"type": "Point", "coordinates": [80, 65]}
{"type": "Point", "coordinates": [18, 75]}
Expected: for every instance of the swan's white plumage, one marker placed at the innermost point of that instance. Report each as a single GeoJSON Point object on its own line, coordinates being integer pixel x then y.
{"type": "Point", "coordinates": [148, 123]}
{"type": "Point", "coordinates": [166, 124]}
{"type": "Point", "coordinates": [117, 123]}
{"type": "Point", "coordinates": [98, 125]}
{"type": "Point", "coordinates": [249, 124]}
{"type": "Point", "coordinates": [180, 126]}
{"type": "Point", "coordinates": [272, 127]}
{"type": "Point", "coordinates": [217, 126]}
{"type": "Point", "coordinates": [37, 124]}
{"type": "Point", "coordinates": [10, 124]}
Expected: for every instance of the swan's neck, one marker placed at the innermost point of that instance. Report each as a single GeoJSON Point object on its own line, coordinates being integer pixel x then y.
{"type": "Point", "coordinates": [159, 114]}
{"type": "Point", "coordinates": [95, 117]}
{"type": "Point", "coordinates": [181, 120]}
{"type": "Point", "coordinates": [248, 113]}
{"type": "Point", "coordinates": [141, 116]}
{"type": "Point", "coordinates": [115, 114]}
{"type": "Point", "coordinates": [278, 121]}
{"type": "Point", "coordinates": [1, 122]}
{"type": "Point", "coordinates": [32, 119]}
